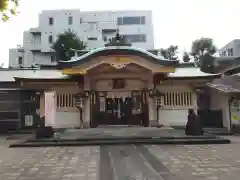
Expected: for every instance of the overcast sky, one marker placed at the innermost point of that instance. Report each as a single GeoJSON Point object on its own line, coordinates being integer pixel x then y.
{"type": "Point", "coordinates": [176, 22]}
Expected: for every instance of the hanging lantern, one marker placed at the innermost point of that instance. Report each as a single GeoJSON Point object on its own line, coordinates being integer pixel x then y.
{"type": "Point", "coordinates": [159, 102]}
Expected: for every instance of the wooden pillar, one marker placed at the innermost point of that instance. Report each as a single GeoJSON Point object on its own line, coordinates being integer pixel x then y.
{"type": "Point", "coordinates": [151, 102]}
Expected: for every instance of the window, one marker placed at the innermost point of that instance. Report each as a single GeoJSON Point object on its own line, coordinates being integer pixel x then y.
{"type": "Point", "coordinates": [92, 38]}
{"type": "Point", "coordinates": [92, 26]}
{"type": "Point", "coordinates": [143, 20]}
{"type": "Point", "coordinates": [20, 60]}
{"type": "Point", "coordinates": [50, 21]}
{"type": "Point", "coordinates": [105, 38]}
{"type": "Point", "coordinates": [224, 53]}
{"type": "Point", "coordinates": [70, 20]}
{"type": "Point", "coordinates": [65, 100]}
{"type": "Point", "coordinates": [50, 39]}
{"type": "Point", "coordinates": [135, 38]}
{"type": "Point", "coordinates": [230, 52]}
{"type": "Point", "coordinates": [131, 20]}
{"type": "Point", "coordinates": [173, 99]}
{"type": "Point", "coordinates": [52, 58]}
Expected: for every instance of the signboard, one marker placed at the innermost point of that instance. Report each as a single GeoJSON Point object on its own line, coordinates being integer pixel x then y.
{"type": "Point", "coordinates": [235, 111]}
{"type": "Point", "coordinates": [28, 120]}
{"type": "Point", "coordinates": [118, 83]}
{"type": "Point", "coordinates": [50, 109]}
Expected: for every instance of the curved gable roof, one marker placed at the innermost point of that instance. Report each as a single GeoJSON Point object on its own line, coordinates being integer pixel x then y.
{"type": "Point", "coordinates": [119, 50]}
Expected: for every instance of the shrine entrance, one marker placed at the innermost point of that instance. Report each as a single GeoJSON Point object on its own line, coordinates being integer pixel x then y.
{"type": "Point", "coordinates": [119, 108]}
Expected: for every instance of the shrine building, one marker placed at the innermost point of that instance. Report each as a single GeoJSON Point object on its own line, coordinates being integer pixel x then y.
{"type": "Point", "coordinates": [111, 85]}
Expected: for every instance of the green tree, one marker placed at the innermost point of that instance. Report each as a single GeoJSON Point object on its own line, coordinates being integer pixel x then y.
{"type": "Point", "coordinates": [202, 46]}
{"type": "Point", "coordinates": [170, 52]}
{"type": "Point", "coordinates": [118, 41]}
{"type": "Point", "coordinates": [8, 8]}
{"type": "Point", "coordinates": [186, 57]}
{"type": "Point", "coordinates": [65, 44]}
{"type": "Point", "coordinates": [202, 52]}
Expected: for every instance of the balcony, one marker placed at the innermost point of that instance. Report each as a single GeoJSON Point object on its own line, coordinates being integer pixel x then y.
{"type": "Point", "coordinates": [20, 49]}
{"type": "Point", "coordinates": [35, 30]}
{"type": "Point", "coordinates": [35, 47]}
{"type": "Point", "coordinates": [108, 27]}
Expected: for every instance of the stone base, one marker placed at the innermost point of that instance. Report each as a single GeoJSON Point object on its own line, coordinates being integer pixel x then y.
{"type": "Point", "coordinates": [137, 141]}
{"type": "Point", "coordinates": [154, 123]}
{"type": "Point", "coordinates": [86, 125]}
{"type": "Point", "coordinates": [236, 128]}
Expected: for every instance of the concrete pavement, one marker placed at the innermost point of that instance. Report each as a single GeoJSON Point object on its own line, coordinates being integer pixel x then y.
{"type": "Point", "coordinates": [168, 162]}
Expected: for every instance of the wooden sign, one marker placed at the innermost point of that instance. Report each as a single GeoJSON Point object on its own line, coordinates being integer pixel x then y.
{"type": "Point", "coordinates": [118, 83]}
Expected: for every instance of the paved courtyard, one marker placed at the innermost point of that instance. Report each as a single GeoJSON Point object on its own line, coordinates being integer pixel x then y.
{"type": "Point", "coordinates": [189, 162]}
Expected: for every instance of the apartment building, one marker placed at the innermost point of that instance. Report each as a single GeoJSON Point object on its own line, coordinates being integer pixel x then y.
{"type": "Point", "coordinates": [93, 27]}
{"type": "Point", "coordinates": [231, 49]}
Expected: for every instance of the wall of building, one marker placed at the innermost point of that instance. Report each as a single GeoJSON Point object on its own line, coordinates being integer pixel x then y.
{"type": "Point", "coordinates": [67, 115]}
{"type": "Point", "coordinates": [44, 58]}
{"type": "Point", "coordinates": [89, 27]}
{"type": "Point", "coordinates": [176, 102]}
{"type": "Point", "coordinates": [15, 55]}
{"type": "Point", "coordinates": [233, 46]}
{"type": "Point", "coordinates": [220, 101]}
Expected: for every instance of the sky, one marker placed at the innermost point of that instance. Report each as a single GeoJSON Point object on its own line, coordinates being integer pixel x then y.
{"type": "Point", "coordinates": [176, 22]}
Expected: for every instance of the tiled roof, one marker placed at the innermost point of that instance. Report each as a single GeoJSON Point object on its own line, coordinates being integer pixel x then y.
{"type": "Point", "coordinates": [113, 48]}
{"type": "Point", "coordinates": [120, 50]}
{"type": "Point", "coordinates": [227, 63]}
{"type": "Point", "coordinates": [223, 88]}
{"type": "Point", "coordinates": [190, 72]}
{"type": "Point", "coordinates": [8, 75]}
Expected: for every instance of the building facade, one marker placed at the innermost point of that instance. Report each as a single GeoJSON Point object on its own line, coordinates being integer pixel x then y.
{"type": "Point", "coordinates": [231, 49]}
{"type": "Point", "coordinates": [93, 27]}
{"type": "Point", "coordinates": [112, 85]}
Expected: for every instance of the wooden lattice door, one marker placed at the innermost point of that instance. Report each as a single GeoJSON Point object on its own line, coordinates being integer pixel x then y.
{"type": "Point", "coordinates": [94, 105]}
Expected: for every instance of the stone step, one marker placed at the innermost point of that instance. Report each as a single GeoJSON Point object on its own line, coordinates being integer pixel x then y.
{"type": "Point", "coordinates": [121, 142]}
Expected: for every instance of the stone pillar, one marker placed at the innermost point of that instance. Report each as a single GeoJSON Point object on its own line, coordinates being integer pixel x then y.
{"type": "Point", "coordinates": [151, 103]}
{"type": "Point", "coordinates": [152, 111]}
{"type": "Point", "coordinates": [50, 108]}
{"type": "Point", "coordinates": [86, 113]}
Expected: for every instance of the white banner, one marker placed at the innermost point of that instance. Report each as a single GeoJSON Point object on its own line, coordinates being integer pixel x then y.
{"type": "Point", "coordinates": [50, 109]}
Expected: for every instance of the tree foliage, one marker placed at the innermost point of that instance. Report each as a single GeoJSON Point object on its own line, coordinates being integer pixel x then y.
{"type": "Point", "coordinates": [65, 44]}
{"type": "Point", "coordinates": [207, 63]}
{"type": "Point", "coordinates": [170, 52]}
{"type": "Point", "coordinates": [202, 46]}
{"type": "Point", "coordinates": [118, 41]}
{"type": "Point", "coordinates": [8, 8]}
{"type": "Point", "coordinates": [202, 52]}
{"type": "Point", "coordinates": [186, 57]}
